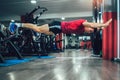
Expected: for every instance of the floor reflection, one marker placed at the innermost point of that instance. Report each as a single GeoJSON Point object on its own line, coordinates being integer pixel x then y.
{"type": "Point", "coordinates": [68, 65]}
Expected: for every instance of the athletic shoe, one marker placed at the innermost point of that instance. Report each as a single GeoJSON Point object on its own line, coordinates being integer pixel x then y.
{"type": "Point", "coordinates": [12, 27]}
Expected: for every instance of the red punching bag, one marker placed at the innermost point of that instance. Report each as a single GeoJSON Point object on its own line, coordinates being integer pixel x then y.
{"type": "Point", "coordinates": [59, 41]}
{"type": "Point", "coordinates": [109, 40]}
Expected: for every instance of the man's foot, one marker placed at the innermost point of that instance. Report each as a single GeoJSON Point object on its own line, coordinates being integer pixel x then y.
{"type": "Point", "coordinates": [12, 27]}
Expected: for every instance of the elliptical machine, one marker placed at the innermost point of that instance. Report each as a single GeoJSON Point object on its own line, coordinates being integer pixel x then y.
{"type": "Point", "coordinates": [33, 40]}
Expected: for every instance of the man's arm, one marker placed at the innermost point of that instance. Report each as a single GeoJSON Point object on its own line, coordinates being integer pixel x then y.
{"type": "Point", "coordinates": [97, 25]}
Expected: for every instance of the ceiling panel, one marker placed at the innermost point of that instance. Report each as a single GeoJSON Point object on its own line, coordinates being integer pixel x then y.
{"type": "Point", "coordinates": [15, 8]}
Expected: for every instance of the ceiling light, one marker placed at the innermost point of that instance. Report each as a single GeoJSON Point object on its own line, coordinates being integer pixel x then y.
{"type": "Point", "coordinates": [63, 18]}
{"type": "Point", "coordinates": [33, 1]}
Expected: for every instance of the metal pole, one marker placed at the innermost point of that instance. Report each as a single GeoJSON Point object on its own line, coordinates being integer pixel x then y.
{"type": "Point", "coordinates": [118, 29]}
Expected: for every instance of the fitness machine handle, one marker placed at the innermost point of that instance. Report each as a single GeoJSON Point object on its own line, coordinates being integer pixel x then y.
{"type": "Point", "coordinates": [34, 10]}
{"type": "Point", "coordinates": [44, 9]}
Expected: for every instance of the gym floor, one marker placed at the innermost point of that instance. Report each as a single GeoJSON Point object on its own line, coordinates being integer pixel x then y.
{"type": "Point", "coordinates": [69, 65]}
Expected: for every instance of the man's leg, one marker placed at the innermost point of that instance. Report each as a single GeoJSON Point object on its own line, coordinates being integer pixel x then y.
{"type": "Point", "coordinates": [41, 29]}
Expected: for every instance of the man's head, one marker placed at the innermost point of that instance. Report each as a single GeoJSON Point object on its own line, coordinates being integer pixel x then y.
{"type": "Point", "coordinates": [89, 30]}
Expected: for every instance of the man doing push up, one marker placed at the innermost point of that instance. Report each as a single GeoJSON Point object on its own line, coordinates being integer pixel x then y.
{"type": "Point", "coordinates": [67, 27]}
